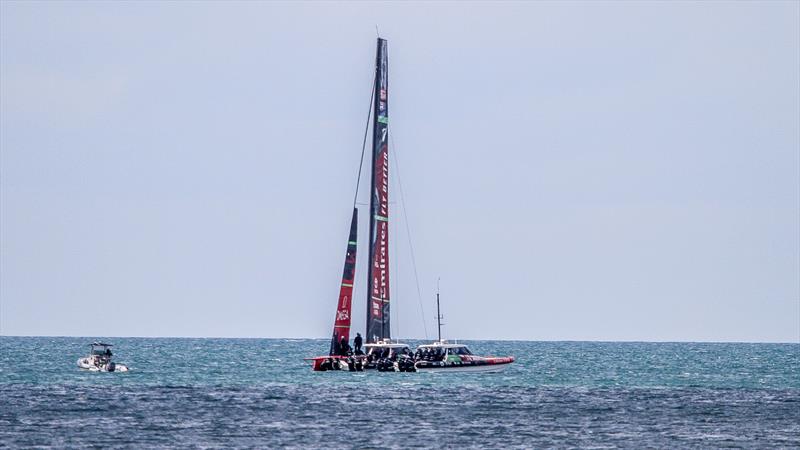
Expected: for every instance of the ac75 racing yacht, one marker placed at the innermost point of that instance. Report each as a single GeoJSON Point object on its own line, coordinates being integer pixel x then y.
{"type": "Point", "coordinates": [380, 351]}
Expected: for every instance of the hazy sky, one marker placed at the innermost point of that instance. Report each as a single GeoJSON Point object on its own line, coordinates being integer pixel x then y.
{"type": "Point", "coordinates": [572, 171]}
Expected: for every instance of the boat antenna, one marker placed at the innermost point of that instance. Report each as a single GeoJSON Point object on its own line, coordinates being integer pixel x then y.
{"type": "Point", "coordinates": [377, 33]}
{"type": "Point", "coordinates": [438, 313]}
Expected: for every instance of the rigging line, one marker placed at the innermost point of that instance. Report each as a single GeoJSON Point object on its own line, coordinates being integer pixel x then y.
{"type": "Point", "coordinates": [364, 144]}
{"type": "Point", "coordinates": [408, 233]}
{"type": "Point", "coordinates": [395, 310]}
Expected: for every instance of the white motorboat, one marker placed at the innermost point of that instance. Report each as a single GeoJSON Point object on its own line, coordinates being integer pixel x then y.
{"type": "Point", "coordinates": [99, 359]}
{"type": "Point", "coordinates": [442, 356]}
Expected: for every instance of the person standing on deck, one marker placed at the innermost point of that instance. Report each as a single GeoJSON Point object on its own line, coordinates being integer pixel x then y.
{"type": "Point", "coordinates": [337, 350]}
{"type": "Point", "coordinates": [357, 343]}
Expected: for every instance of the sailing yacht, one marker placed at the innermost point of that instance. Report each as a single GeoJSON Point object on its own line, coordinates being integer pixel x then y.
{"type": "Point", "coordinates": [381, 352]}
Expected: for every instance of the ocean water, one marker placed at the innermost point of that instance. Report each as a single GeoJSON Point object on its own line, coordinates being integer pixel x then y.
{"type": "Point", "coordinates": [260, 393]}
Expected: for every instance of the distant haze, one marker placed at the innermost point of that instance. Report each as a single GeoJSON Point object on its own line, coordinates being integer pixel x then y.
{"type": "Point", "coordinates": [572, 171]}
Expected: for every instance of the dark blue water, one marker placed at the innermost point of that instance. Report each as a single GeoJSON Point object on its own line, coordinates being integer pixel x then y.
{"type": "Point", "coordinates": [260, 393]}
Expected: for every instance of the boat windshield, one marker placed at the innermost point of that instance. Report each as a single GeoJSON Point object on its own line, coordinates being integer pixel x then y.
{"type": "Point", "coordinates": [391, 352]}
{"type": "Point", "coordinates": [101, 350]}
{"type": "Point", "coordinates": [460, 351]}
{"type": "Point", "coordinates": [381, 349]}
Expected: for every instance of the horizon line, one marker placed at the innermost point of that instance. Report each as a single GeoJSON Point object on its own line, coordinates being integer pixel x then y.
{"type": "Point", "coordinates": [631, 341]}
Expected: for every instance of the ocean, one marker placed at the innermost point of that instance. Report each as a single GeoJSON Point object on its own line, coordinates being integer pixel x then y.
{"type": "Point", "coordinates": [223, 393]}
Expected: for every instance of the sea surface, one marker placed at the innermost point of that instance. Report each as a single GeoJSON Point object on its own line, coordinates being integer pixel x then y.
{"type": "Point", "coordinates": [224, 393]}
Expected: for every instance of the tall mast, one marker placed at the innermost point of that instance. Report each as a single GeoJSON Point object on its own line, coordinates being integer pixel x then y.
{"type": "Point", "coordinates": [378, 277]}
{"type": "Point", "coordinates": [438, 313]}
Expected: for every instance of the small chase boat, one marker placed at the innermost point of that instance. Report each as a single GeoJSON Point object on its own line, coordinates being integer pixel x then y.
{"type": "Point", "coordinates": [99, 359]}
{"type": "Point", "coordinates": [445, 357]}
{"type": "Point", "coordinates": [442, 356]}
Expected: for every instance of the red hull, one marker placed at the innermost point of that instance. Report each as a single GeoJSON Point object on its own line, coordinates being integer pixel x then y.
{"type": "Point", "coordinates": [316, 362]}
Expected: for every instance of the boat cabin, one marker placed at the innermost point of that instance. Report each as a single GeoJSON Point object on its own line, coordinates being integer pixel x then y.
{"type": "Point", "coordinates": [100, 349]}
{"type": "Point", "coordinates": [390, 350]}
{"type": "Point", "coordinates": [441, 351]}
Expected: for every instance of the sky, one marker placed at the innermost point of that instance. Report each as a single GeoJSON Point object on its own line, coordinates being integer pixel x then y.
{"type": "Point", "coordinates": [570, 170]}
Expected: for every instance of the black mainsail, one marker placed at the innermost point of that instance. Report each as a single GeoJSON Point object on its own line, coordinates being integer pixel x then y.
{"type": "Point", "coordinates": [378, 280]}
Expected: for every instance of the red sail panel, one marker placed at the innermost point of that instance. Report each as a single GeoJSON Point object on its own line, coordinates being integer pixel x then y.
{"type": "Point", "coordinates": [341, 324]}
{"type": "Point", "coordinates": [378, 292]}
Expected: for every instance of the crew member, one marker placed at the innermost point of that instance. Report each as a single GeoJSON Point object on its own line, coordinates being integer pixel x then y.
{"type": "Point", "coordinates": [357, 343]}
{"type": "Point", "coordinates": [344, 347]}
